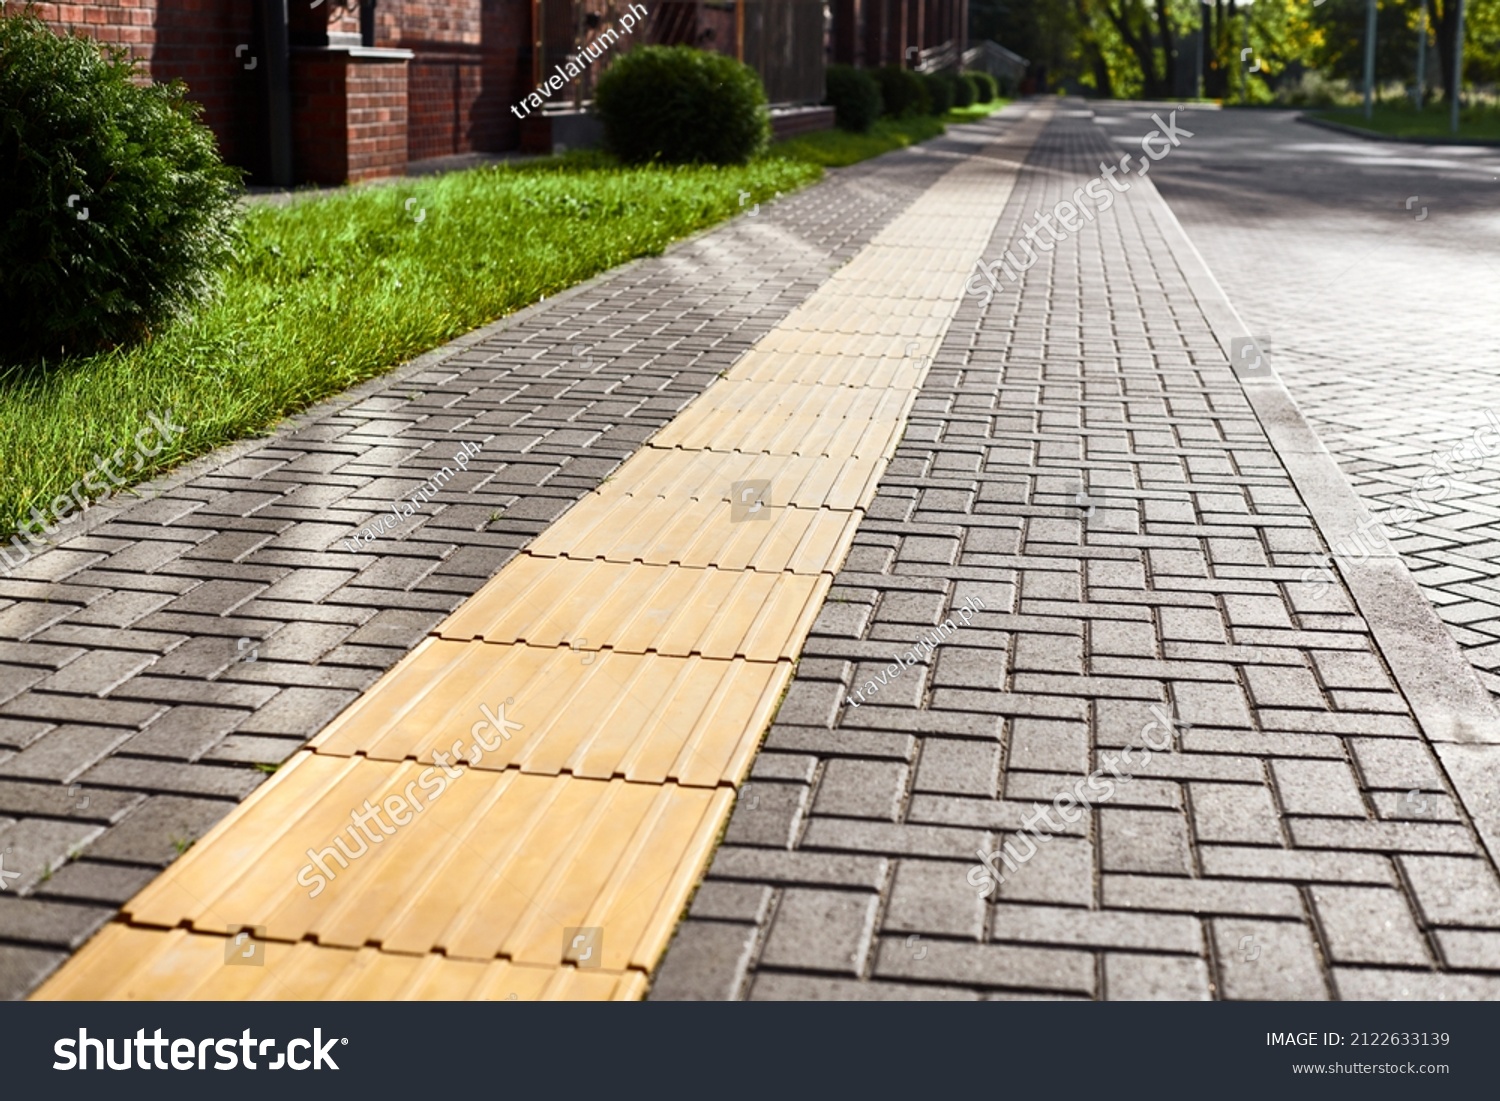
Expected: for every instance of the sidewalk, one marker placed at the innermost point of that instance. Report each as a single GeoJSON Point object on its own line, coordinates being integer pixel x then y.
{"type": "Point", "coordinates": [1083, 460]}
{"type": "Point", "coordinates": [1089, 536]}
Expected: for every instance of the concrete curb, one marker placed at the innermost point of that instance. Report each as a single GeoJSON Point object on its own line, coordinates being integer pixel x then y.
{"type": "Point", "coordinates": [1453, 710]}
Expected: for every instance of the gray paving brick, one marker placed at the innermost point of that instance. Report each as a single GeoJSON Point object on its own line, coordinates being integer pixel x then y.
{"type": "Point", "coordinates": [1144, 841]}
{"type": "Point", "coordinates": [779, 987]}
{"type": "Point", "coordinates": [1453, 890]}
{"type": "Point", "coordinates": [159, 830]}
{"type": "Point", "coordinates": [1368, 925]}
{"type": "Point", "coordinates": [1235, 812]}
{"type": "Point", "coordinates": [934, 898]}
{"type": "Point", "coordinates": [861, 789]}
{"type": "Point", "coordinates": [1139, 978]}
{"type": "Point", "coordinates": [989, 966]}
{"type": "Point", "coordinates": [743, 902]}
{"type": "Point", "coordinates": [821, 930]}
{"type": "Point", "coordinates": [1263, 960]}
{"type": "Point", "coordinates": [707, 961]}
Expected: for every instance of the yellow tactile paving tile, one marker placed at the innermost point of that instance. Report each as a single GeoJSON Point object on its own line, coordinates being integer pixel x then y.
{"type": "Point", "coordinates": [132, 963]}
{"type": "Point", "coordinates": [644, 717]}
{"type": "Point", "coordinates": [792, 420]}
{"type": "Point", "coordinates": [764, 368]}
{"type": "Point", "coordinates": [664, 531]}
{"type": "Point", "coordinates": [781, 341]}
{"type": "Point", "coordinates": [636, 609]}
{"type": "Point", "coordinates": [699, 475]}
{"type": "Point", "coordinates": [495, 864]}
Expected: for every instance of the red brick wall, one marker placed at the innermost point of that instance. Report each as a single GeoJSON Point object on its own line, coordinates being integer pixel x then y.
{"type": "Point", "coordinates": [189, 40]}
{"type": "Point", "coordinates": [466, 73]}
{"type": "Point", "coordinates": [461, 85]}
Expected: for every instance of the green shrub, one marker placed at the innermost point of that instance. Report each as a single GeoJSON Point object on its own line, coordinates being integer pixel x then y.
{"type": "Point", "coordinates": [901, 91]}
{"type": "Point", "coordinates": [679, 105]}
{"type": "Point", "coordinates": [118, 211]}
{"type": "Point", "coordinates": [965, 90]}
{"type": "Point", "coordinates": [855, 97]}
{"type": "Point", "coordinates": [985, 88]}
{"type": "Point", "coordinates": [939, 93]}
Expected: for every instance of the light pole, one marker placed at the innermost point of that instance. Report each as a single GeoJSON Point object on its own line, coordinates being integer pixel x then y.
{"type": "Point", "coordinates": [1369, 57]}
{"type": "Point", "coordinates": [1198, 64]}
{"type": "Point", "coordinates": [1421, 56]}
{"type": "Point", "coordinates": [1458, 67]}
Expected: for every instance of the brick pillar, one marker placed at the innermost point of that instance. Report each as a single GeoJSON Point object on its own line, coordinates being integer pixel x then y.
{"type": "Point", "coordinates": [349, 110]}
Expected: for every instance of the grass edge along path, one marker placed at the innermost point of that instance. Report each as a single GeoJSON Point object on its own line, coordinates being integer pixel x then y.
{"type": "Point", "coordinates": [1474, 124]}
{"type": "Point", "coordinates": [334, 290]}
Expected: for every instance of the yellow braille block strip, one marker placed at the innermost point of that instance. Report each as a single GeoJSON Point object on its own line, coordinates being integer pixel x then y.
{"type": "Point", "coordinates": [646, 717]}
{"type": "Point", "coordinates": [383, 865]}
{"type": "Point", "coordinates": [132, 963]}
{"type": "Point", "coordinates": [636, 609]}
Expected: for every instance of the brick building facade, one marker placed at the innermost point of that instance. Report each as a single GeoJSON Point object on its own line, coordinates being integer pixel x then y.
{"type": "Point", "coordinates": [326, 91]}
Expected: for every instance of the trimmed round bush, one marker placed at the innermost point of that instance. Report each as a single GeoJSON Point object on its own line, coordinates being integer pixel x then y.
{"type": "Point", "coordinates": [678, 105]}
{"type": "Point", "coordinates": [985, 88]}
{"type": "Point", "coordinates": [901, 91]}
{"type": "Point", "coordinates": [939, 93]}
{"type": "Point", "coordinates": [854, 96]}
{"type": "Point", "coordinates": [965, 90]}
{"type": "Point", "coordinates": [118, 210]}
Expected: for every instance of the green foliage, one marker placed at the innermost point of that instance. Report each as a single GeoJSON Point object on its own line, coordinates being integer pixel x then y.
{"type": "Point", "coordinates": [854, 96]}
{"type": "Point", "coordinates": [939, 93]}
{"type": "Point", "coordinates": [837, 148]}
{"type": "Point", "coordinates": [118, 211]}
{"type": "Point", "coordinates": [986, 89]}
{"type": "Point", "coordinates": [902, 91]}
{"type": "Point", "coordinates": [965, 90]}
{"type": "Point", "coordinates": [678, 105]}
{"type": "Point", "coordinates": [329, 291]}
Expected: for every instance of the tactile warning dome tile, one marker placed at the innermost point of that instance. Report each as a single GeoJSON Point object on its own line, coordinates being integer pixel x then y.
{"type": "Point", "coordinates": [643, 717]}
{"type": "Point", "coordinates": [670, 610]}
{"type": "Point", "coordinates": [494, 864]}
{"type": "Point", "coordinates": [132, 963]}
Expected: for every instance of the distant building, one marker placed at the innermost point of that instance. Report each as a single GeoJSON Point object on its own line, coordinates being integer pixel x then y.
{"type": "Point", "coordinates": [1005, 66]}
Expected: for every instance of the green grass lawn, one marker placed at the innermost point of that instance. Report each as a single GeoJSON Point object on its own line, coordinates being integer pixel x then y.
{"type": "Point", "coordinates": [975, 112]}
{"type": "Point", "coordinates": [1403, 121]}
{"type": "Point", "coordinates": [331, 290]}
{"type": "Point", "coordinates": [839, 148]}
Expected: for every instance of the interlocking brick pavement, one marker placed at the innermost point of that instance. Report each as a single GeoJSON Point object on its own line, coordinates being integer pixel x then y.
{"type": "Point", "coordinates": [157, 665]}
{"type": "Point", "coordinates": [1084, 463]}
{"type": "Point", "coordinates": [1371, 270]}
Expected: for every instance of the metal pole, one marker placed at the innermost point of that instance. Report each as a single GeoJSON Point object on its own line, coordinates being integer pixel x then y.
{"type": "Point", "coordinates": [278, 90]}
{"type": "Point", "coordinates": [1369, 57]}
{"type": "Point", "coordinates": [1458, 68]}
{"type": "Point", "coordinates": [1198, 62]}
{"type": "Point", "coordinates": [1421, 55]}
